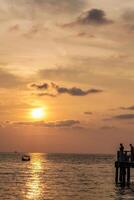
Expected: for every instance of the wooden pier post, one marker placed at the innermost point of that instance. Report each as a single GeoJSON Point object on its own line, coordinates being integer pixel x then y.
{"type": "Point", "coordinates": [120, 176]}
{"type": "Point", "coordinates": [116, 175]}
{"type": "Point", "coordinates": [128, 175]}
{"type": "Point", "coordinates": [123, 176]}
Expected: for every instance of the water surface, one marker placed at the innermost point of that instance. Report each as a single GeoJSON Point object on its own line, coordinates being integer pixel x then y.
{"type": "Point", "coordinates": [59, 177]}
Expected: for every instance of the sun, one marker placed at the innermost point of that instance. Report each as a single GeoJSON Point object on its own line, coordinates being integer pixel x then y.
{"type": "Point", "coordinates": [38, 113]}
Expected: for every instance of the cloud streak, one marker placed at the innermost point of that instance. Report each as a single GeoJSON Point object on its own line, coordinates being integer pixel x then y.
{"type": "Point", "coordinates": [127, 108]}
{"type": "Point", "coordinates": [55, 124]}
{"type": "Point", "coordinates": [124, 117]}
{"type": "Point", "coordinates": [108, 128]}
{"type": "Point", "coordinates": [88, 113]}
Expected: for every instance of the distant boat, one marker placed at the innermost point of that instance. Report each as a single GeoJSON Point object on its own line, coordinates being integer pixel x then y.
{"type": "Point", "coordinates": [25, 158]}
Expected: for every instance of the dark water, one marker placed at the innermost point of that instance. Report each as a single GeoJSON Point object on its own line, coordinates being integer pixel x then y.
{"type": "Point", "coordinates": [59, 177]}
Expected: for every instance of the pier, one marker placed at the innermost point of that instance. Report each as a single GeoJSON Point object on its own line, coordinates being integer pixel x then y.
{"type": "Point", "coordinates": [123, 167]}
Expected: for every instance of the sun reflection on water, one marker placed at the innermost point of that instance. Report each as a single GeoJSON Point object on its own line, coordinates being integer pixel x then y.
{"type": "Point", "coordinates": [34, 182]}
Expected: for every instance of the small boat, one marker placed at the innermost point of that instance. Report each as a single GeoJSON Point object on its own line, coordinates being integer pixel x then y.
{"type": "Point", "coordinates": [25, 158]}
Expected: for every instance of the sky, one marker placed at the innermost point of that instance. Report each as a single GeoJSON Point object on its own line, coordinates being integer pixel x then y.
{"type": "Point", "coordinates": [74, 60]}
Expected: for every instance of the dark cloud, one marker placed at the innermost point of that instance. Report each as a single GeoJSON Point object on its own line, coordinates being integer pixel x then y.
{"type": "Point", "coordinates": [43, 86]}
{"type": "Point", "coordinates": [94, 16]}
{"type": "Point", "coordinates": [124, 116]}
{"type": "Point", "coordinates": [9, 80]}
{"type": "Point", "coordinates": [127, 108]}
{"type": "Point", "coordinates": [91, 17]}
{"type": "Point", "coordinates": [74, 91]}
{"type": "Point", "coordinates": [65, 123]}
{"type": "Point", "coordinates": [88, 113]}
{"type": "Point", "coordinates": [55, 124]}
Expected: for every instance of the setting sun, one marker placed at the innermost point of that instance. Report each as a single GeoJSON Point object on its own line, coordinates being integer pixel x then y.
{"type": "Point", "coordinates": [37, 113]}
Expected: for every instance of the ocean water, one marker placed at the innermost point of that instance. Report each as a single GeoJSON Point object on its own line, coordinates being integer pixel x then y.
{"type": "Point", "coordinates": [59, 177]}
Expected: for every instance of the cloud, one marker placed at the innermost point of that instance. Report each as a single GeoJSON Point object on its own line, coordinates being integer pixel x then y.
{"type": "Point", "coordinates": [55, 124]}
{"type": "Point", "coordinates": [40, 86]}
{"type": "Point", "coordinates": [46, 94]}
{"type": "Point", "coordinates": [128, 19]}
{"type": "Point", "coordinates": [124, 116]}
{"type": "Point", "coordinates": [85, 34]}
{"type": "Point", "coordinates": [88, 113]}
{"type": "Point", "coordinates": [14, 28]}
{"type": "Point", "coordinates": [127, 108]}
{"type": "Point", "coordinates": [78, 127]}
{"type": "Point", "coordinates": [37, 9]}
{"type": "Point", "coordinates": [74, 91]}
{"type": "Point", "coordinates": [9, 80]}
{"type": "Point", "coordinates": [62, 5]}
{"type": "Point", "coordinates": [108, 127]}
{"type": "Point", "coordinates": [128, 15]}
{"type": "Point", "coordinates": [94, 16]}
{"type": "Point", "coordinates": [91, 17]}
{"type": "Point", "coordinates": [60, 73]}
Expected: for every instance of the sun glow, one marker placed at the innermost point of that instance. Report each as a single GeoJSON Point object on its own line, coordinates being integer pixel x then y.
{"type": "Point", "coordinates": [38, 113]}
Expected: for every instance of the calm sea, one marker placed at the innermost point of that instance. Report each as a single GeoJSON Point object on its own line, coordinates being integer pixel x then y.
{"type": "Point", "coordinates": [59, 177]}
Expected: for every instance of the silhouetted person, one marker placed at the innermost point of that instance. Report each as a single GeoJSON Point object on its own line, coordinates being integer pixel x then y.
{"type": "Point", "coordinates": [132, 152]}
{"type": "Point", "coordinates": [121, 148]}
{"type": "Point", "coordinates": [121, 153]}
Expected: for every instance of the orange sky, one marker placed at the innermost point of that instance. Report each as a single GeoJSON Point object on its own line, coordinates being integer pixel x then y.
{"type": "Point", "coordinates": [73, 59]}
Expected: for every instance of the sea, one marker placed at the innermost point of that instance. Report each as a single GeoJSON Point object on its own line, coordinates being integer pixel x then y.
{"type": "Point", "coordinates": [60, 177]}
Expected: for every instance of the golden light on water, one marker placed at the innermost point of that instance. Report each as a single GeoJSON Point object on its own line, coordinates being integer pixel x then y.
{"type": "Point", "coordinates": [34, 184]}
{"type": "Point", "coordinates": [38, 113]}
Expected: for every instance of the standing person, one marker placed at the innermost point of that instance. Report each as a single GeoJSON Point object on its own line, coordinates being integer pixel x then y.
{"type": "Point", "coordinates": [121, 152]}
{"type": "Point", "coordinates": [132, 152]}
{"type": "Point", "coordinates": [121, 159]}
{"type": "Point", "coordinates": [121, 148]}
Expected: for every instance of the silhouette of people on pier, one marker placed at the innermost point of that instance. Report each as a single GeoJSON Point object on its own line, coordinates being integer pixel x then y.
{"type": "Point", "coordinates": [123, 165]}
{"type": "Point", "coordinates": [126, 155]}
